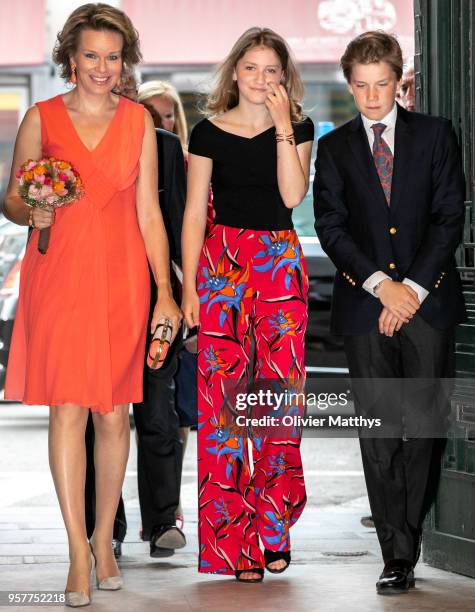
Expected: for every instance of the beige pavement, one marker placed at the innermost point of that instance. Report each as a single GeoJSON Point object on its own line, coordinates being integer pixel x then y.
{"type": "Point", "coordinates": [335, 559]}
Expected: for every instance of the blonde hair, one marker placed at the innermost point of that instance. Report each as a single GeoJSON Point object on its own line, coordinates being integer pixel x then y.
{"type": "Point", "coordinates": [97, 17]}
{"type": "Point", "coordinates": [225, 94]}
{"type": "Point", "coordinates": [164, 88]}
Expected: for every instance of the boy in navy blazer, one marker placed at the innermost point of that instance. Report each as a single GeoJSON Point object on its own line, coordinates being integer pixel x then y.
{"type": "Point", "coordinates": [389, 211]}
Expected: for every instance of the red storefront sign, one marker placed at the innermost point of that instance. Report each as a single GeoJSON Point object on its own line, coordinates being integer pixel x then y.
{"type": "Point", "coordinates": [203, 31]}
{"type": "Point", "coordinates": [22, 32]}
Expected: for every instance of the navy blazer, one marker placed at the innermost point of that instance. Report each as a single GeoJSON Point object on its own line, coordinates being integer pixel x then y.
{"type": "Point", "coordinates": [415, 237]}
{"type": "Point", "coordinates": [171, 188]}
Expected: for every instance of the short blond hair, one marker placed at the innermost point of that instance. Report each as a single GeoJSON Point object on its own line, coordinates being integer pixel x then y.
{"type": "Point", "coordinates": [164, 88]}
{"type": "Point", "coordinates": [99, 17]}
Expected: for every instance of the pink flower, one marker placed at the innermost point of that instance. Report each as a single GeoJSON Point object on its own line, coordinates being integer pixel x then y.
{"type": "Point", "coordinates": [46, 191]}
{"type": "Point", "coordinates": [48, 181]}
{"type": "Point", "coordinates": [70, 176]}
{"type": "Point", "coordinates": [33, 192]}
{"type": "Point", "coordinates": [40, 192]}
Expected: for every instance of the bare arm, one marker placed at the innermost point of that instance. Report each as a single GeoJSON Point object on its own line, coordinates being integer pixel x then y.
{"type": "Point", "coordinates": [194, 226]}
{"type": "Point", "coordinates": [293, 168]}
{"type": "Point", "coordinates": [293, 162]}
{"type": "Point", "coordinates": [27, 146]}
{"type": "Point", "coordinates": [153, 229]}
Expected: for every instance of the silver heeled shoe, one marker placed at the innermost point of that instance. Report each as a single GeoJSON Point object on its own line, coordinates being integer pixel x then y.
{"type": "Point", "coordinates": [111, 583]}
{"type": "Point", "coordinates": [78, 599]}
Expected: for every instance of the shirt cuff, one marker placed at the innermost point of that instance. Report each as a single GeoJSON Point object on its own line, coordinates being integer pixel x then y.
{"type": "Point", "coordinates": [421, 292]}
{"type": "Point", "coordinates": [373, 280]}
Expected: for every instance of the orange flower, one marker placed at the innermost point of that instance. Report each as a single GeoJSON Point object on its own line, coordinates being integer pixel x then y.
{"type": "Point", "coordinates": [78, 182]}
{"type": "Point", "coordinates": [64, 165]}
{"type": "Point", "coordinates": [28, 176]}
{"type": "Point", "coordinates": [40, 169]}
{"type": "Point", "coordinates": [58, 186]}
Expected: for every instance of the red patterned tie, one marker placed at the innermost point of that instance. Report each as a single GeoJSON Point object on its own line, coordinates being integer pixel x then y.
{"type": "Point", "coordinates": [383, 159]}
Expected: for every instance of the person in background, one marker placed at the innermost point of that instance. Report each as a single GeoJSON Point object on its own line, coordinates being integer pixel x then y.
{"type": "Point", "coordinates": [80, 328]}
{"type": "Point", "coordinates": [164, 99]}
{"type": "Point", "coordinates": [255, 149]}
{"type": "Point", "coordinates": [406, 93]}
{"type": "Point", "coordinates": [164, 102]}
{"type": "Point", "coordinates": [389, 212]}
{"type": "Point", "coordinates": [160, 444]}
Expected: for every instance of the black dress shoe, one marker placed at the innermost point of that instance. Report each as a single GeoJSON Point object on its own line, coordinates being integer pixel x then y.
{"type": "Point", "coordinates": [397, 577]}
{"type": "Point", "coordinates": [117, 548]}
{"type": "Point", "coordinates": [367, 521]}
{"type": "Point", "coordinates": [165, 539]}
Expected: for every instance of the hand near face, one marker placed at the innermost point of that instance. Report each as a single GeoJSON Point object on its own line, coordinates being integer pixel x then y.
{"type": "Point", "coordinates": [278, 105]}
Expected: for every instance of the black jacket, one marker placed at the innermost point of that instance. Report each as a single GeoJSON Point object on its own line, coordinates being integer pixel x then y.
{"type": "Point", "coordinates": [415, 237]}
{"type": "Point", "coordinates": [172, 188]}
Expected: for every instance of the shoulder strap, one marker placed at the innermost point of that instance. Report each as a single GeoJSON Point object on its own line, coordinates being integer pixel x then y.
{"type": "Point", "coordinates": [50, 118]}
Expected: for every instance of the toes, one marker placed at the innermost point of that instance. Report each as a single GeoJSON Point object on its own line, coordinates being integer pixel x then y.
{"type": "Point", "coordinates": [276, 565]}
{"type": "Point", "coordinates": [250, 576]}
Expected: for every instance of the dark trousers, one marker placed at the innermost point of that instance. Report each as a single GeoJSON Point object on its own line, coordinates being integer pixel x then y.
{"type": "Point", "coordinates": [159, 454]}
{"type": "Point", "coordinates": [159, 446]}
{"type": "Point", "coordinates": [402, 470]}
{"type": "Point", "coordinates": [120, 523]}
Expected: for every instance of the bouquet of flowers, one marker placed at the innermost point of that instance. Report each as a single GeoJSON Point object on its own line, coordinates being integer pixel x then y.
{"type": "Point", "coordinates": [48, 183]}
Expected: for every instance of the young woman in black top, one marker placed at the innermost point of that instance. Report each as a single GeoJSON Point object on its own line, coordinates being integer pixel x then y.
{"type": "Point", "coordinates": [248, 280]}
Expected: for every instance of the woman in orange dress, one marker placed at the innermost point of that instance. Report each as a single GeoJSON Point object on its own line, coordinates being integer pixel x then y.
{"type": "Point", "coordinates": [80, 330]}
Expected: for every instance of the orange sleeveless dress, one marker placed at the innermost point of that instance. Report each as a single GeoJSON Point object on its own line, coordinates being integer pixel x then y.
{"type": "Point", "coordinates": [80, 328]}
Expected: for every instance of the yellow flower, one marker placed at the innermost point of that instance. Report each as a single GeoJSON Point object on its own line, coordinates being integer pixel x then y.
{"type": "Point", "coordinates": [58, 186]}
{"type": "Point", "coordinates": [40, 170]}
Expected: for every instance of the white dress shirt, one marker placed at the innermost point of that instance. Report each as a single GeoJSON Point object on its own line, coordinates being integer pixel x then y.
{"type": "Point", "coordinates": [388, 136]}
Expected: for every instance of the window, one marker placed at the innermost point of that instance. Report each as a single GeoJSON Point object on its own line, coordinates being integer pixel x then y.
{"type": "Point", "coordinates": [13, 105]}
{"type": "Point", "coordinates": [328, 105]}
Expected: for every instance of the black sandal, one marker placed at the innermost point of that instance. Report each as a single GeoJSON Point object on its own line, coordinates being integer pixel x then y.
{"type": "Point", "coordinates": [276, 555]}
{"type": "Point", "coordinates": [254, 570]}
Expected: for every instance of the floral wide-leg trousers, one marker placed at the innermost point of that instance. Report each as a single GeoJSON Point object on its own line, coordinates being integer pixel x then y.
{"type": "Point", "coordinates": [253, 286]}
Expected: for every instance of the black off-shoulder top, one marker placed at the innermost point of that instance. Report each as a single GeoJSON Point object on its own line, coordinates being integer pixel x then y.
{"type": "Point", "coordinates": [244, 178]}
